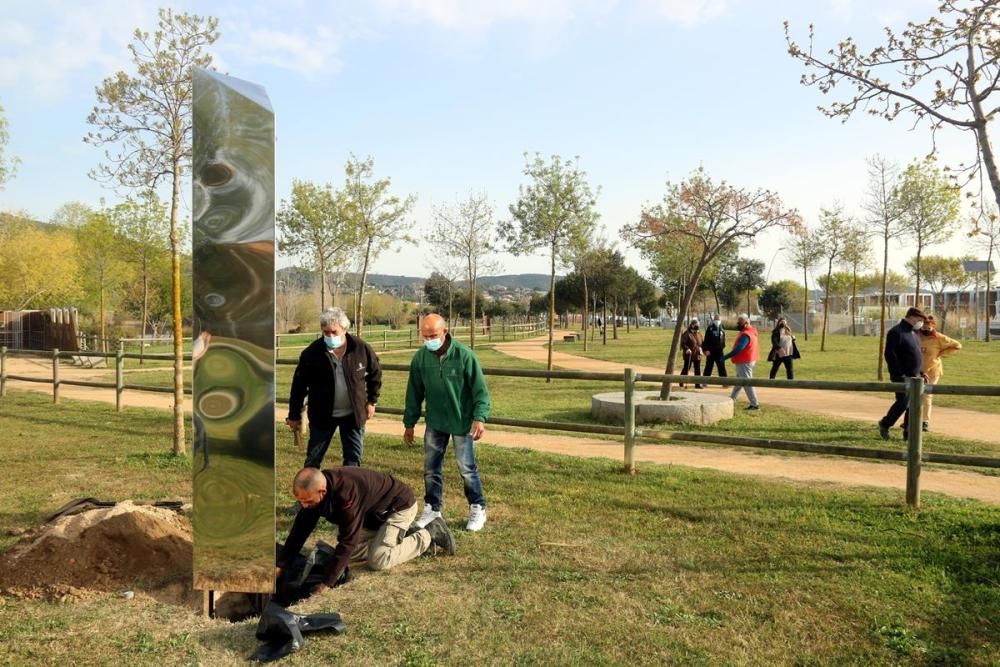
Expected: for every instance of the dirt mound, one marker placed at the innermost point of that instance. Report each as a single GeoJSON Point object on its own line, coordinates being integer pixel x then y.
{"type": "Point", "coordinates": [125, 547]}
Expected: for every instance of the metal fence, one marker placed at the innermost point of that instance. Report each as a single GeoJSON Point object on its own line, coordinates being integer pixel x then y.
{"type": "Point", "coordinates": [914, 388]}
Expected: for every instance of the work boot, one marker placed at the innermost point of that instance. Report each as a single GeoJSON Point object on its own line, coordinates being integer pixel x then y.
{"type": "Point", "coordinates": [883, 431]}
{"type": "Point", "coordinates": [441, 537]}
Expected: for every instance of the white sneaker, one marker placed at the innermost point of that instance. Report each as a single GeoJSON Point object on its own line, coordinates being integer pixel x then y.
{"type": "Point", "coordinates": [429, 515]}
{"type": "Point", "coordinates": [477, 518]}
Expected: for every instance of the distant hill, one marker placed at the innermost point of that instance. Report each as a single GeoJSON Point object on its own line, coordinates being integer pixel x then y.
{"type": "Point", "coordinates": [534, 281]}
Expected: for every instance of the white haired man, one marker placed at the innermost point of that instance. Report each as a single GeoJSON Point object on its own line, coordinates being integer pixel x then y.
{"type": "Point", "coordinates": [341, 375]}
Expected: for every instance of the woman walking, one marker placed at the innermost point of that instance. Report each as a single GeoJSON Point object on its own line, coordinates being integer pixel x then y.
{"type": "Point", "coordinates": [691, 342]}
{"type": "Point", "coordinates": [782, 349]}
{"type": "Point", "coordinates": [933, 345]}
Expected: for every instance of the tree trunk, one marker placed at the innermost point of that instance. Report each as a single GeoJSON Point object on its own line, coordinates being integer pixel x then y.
{"type": "Point", "coordinates": [628, 317]}
{"type": "Point", "coordinates": [586, 314]}
{"type": "Point", "coordinates": [748, 303]}
{"type": "Point", "coordinates": [552, 308]}
{"type": "Point", "coordinates": [805, 304]}
{"type": "Point", "coordinates": [614, 320]}
{"type": "Point", "coordinates": [322, 284]}
{"type": "Point", "coordinates": [178, 319]}
{"type": "Point", "coordinates": [826, 306]}
{"type": "Point", "coordinates": [359, 306]}
{"type": "Point", "coordinates": [679, 327]}
{"type": "Point", "coordinates": [916, 289]}
{"type": "Point", "coordinates": [881, 326]}
{"type": "Point", "coordinates": [100, 310]}
{"type": "Point", "coordinates": [854, 304]}
{"type": "Point", "coordinates": [989, 258]}
{"type": "Point", "coordinates": [145, 311]}
{"type": "Point", "coordinates": [604, 316]}
{"type": "Point", "coordinates": [472, 305]}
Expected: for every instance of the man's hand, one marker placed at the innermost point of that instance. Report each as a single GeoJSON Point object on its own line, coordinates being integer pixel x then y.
{"type": "Point", "coordinates": [277, 572]}
{"type": "Point", "coordinates": [408, 436]}
{"type": "Point", "coordinates": [294, 424]}
{"type": "Point", "coordinates": [371, 410]}
{"type": "Point", "coordinates": [925, 376]}
{"type": "Point", "coordinates": [478, 428]}
{"type": "Point", "coordinates": [319, 589]}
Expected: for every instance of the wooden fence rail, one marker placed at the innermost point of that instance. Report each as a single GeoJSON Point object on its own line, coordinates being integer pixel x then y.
{"type": "Point", "coordinates": [630, 432]}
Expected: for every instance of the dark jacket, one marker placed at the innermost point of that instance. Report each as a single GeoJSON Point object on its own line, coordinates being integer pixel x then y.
{"type": "Point", "coordinates": [902, 351]}
{"type": "Point", "coordinates": [691, 343]}
{"type": "Point", "coordinates": [314, 376]}
{"type": "Point", "coordinates": [715, 340]}
{"type": "Point", "coordinates": [356, 498]}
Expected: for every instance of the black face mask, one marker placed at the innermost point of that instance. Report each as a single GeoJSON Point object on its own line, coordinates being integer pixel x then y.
{"type": "Point", "coordinates": [694, 328]}
{"type": "Point", "coordinates": [927, 332]}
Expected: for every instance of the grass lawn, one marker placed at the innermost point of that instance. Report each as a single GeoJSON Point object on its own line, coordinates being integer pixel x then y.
{"type": "Point", "coordinates": [846, 358]}
{"type": "Point", "coordinates": [673, 566]}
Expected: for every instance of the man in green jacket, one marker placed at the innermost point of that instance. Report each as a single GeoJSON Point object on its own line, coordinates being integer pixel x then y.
{"type": "Point", "coordinates": [448, 375]}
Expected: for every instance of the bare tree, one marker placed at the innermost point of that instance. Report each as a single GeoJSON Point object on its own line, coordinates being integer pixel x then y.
{"type": "Point", "coordinates": [144, 121]}
{"type": "Point", "coordinates": [831, 235]}
{"type": "Point", "coordinates": [986, 232]}
{"type": "Point", "coordinates": [855, 256]}
{"type": "Point", "coordinates": [805, 251]}
{"type": "Point", "coordinates": [943, 71]}
{"type": "Point", "coordinates": [715, 215]}
{"type": "Point", "coordinates": [467, 233]}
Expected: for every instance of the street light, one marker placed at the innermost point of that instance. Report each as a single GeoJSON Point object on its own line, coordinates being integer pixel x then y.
{"type": "Point", "coordinates": [767, 278]}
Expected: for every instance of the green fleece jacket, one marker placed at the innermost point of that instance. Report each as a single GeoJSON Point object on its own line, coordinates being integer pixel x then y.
{"type": "Point", "coordinates": [453, 386]}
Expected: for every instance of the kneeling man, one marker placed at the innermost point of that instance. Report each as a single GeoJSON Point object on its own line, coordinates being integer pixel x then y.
{"type": "Point", "coordinates": [372, 511]}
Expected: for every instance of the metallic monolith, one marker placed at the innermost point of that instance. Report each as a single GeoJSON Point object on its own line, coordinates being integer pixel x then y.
{"type": "Point", "coordinates": [233, 330]}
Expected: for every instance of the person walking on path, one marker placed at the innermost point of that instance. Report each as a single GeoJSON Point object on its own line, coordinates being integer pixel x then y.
{"type": "Point", "coordinates": [447, 376]}
{"type": "Point", "coordinates": [691, 343]}
{"type": "Point", "coordinates": [341, 375]}
{"type": "Point", "coordinates": [373, 513]}
{"type": "Point", "coordinates": [904, 360]}
{"type": "Point", "coordinates": [714, 347]}
{"type": "Point", "coordinates": [782, 349]}
{"type": "Point", "coordinates": [933, 346]}
{"type": "Point", "coordinates": [745, 355]}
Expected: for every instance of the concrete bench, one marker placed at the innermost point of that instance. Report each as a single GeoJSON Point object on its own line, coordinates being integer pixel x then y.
{"type": "Point", "coordinates": [570, 338]}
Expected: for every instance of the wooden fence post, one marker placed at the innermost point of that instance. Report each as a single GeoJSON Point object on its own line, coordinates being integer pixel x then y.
{"type": "Point", "coordinates": [55, 375]}
{"type": "Point", "coordinates": [630, 421]}
{"type": "Point", "coordinates": [915, 434]}
{"type": "Point", "coordinates": [119, 384]}
{"type": "Point", "coordinates": [385, 339]}
{"type": "Point", "coordinates": [3, 371]}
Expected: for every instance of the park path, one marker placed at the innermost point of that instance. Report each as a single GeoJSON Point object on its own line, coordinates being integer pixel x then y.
{"type": "Point", "coordinates": [955, 422]}
{"type": "Point", "coordinates": [797, 469]}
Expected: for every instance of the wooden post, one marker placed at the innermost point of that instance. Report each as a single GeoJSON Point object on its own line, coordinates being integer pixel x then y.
{"type": "Point", "coordinates": [119, 388]}
{"type": "Point", "coordinates": [55, 375]}
{"type": "Point", "coordinates": [385, 339]}
{"type": "Point", "coordinates": [914, 395]}
{"type": "Point", "coordinates": [630, 421]}
{"type": "Point", "coordinates": [409, 338]}
{"type": "Point", "coordinates": [3, 371]}
{"type": "Point", "coordinates": [503, 330]}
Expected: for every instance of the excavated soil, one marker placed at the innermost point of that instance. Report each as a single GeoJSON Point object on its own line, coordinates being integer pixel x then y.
{"type": "Point", "coordinates": [127, 547]}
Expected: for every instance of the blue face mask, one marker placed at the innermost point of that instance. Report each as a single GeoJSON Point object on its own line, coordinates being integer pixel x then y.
{"type": "Point", "coordinates": [717, 322]}
{"type": "Point", "coordinates": [434, 344]}
{"type": "Point", "coordinates": [333, 342]}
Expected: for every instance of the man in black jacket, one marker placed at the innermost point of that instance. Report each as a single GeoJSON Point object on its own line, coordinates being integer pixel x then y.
{"type": "Point", "coordinates": [342, 377]}
{"type": "Point", "coordinates": [904, 359]}
{"type": "Point", "coordinates": [714, 346]}
{"type": "Point", "coordinates": [372, 511]}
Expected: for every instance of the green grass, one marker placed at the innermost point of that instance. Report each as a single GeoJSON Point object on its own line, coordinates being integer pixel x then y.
{"type": "Point", "coordinates": [846, 358]}
{"type": "Point", "coordinates": [579, 564]}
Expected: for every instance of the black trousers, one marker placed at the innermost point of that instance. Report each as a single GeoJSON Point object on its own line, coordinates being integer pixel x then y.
{"type": "Point", "coordinates": [715, 359]}
{"type": "Point", "coordinates": [776, 364]}
{"type": "Point", "coordinates": [689, 361]}
{"type": "Point", "coordinates": [898, 407]}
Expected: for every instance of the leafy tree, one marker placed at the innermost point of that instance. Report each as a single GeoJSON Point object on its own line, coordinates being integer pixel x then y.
{"type": "Point", "coordinates": [439, 291]}
{"type": "Point", "coordinates": [144, 121]}
{"type": "Point", "coordinates": [805, 250]}
{"type": "Point", "coordinates": [777, 298]}
{"type": "Point", "coordinates": [142, 223]}
{"type": "Point", "coordinates": [986, 234]}
{"type": "Point", "coordinates": [716, 215]}
{"type": "Point", "coordinates": [855, 256]}
{"type": "Point", "coordinates": [929, 204]}
{"type": "Point", "coordinates": [378, 218]}
{"type": "Point", "coordinates": [884, 219]}
{"type": "Point", "coordinates": [38, 267]}
{"type": "Point", "coordinates": [832, 234]}
{"type": "Point", "coordinates": [71, 215]}
{"type": "Point", "coordinates": [941, 273]}
{"type": "Point", "coordinates": [552, 212]}
{"type": "Point", "coordinates": [101, 264]}
{"type": "Point", "coordinates": [944, 71]}
{"type": "Point", "coordinates": [466, 233]}
{"type": "Point", "coordinates": [741, 277]}
{"type": "Point", "coordinates": [585, 252]}
{"type": "Point", "coordinates": [8, 165]}
{"type": "Point", "coordinates": [314, 227]}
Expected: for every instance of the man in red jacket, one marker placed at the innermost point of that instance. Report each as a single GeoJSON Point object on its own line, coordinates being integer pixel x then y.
{"type": "Point", "coordinates": [372, 512]}
{"type": "Point", "coordinates": [744, 355]}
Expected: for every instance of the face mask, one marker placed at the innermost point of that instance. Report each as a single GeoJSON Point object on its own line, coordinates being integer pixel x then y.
{"type": "Point", "coordinates": [918, 324]}
{"type": "Point", "coordinates": [434, 344]}
{"type": "Point", "coordinates": [741, 326]}
{"type": "Point", "coordinates": [927, 332]}
{"type": "Point", "coordinates": [694, 328]}
{"type": "Point", "coordinates": [333, 342]}
{"type": "Point", "coordinates": [717, 322]}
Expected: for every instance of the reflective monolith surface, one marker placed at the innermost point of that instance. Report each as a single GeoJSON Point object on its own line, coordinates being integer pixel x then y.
{"type": "Point", "coordinates": [233, 296]}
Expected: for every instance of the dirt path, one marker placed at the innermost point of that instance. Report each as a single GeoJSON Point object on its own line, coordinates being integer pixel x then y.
{"type": "Point", "coordinates": [818, 469]}
{"type": "Point", "coordinates": [955, 422]}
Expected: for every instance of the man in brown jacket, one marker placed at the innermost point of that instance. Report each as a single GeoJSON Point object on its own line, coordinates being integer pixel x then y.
{"type": "Point", "coordinates": [372, 512]}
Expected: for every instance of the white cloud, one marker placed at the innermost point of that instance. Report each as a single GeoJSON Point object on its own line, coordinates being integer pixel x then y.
{"type": "Point", "coordinates": [309, 54]}
{"type": "Point", "coordinates": [688, 13]}
{"type": "Point", "coordinates": [462, 16]}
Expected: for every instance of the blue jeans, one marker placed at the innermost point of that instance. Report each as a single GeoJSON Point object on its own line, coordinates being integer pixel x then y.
{"type": "Point", "coordinates": [745, 371]}
{"type": "Point", "coordinates": [435, 444]}
{"type": "Point", "coordinates": [351, 440]}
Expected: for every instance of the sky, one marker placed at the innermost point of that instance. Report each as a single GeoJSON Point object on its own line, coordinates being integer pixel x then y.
{"type": "Point", "coordinates": [447, 96]}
